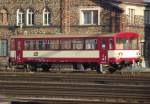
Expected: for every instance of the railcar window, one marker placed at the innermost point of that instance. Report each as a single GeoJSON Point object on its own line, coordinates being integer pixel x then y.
{"type": "Point", "coordinates": [90, 44]}
{"type": "Point", "coordinates": [41, 44]}
{"type": "Point", "coordinates": [103, 44]}
{"type": "Point", "coordinates": [122, 43]}
{"type": "Point", "coordinates": [27, 45]}
{"type": "Point", "coordinates": [77, 44]}
{"type": "Point", "coordinates": [111, 44]}
{"type": "Point", "coordinates": [49, 44]}
{"type": "Point", "coordinates": [134, 43]}
{"type": "Point", "coordinates": [54, 44]}
{"type": "Point", "coordinates": [65, 44]}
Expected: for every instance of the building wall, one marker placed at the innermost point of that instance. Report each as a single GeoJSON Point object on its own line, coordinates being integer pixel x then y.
{"type": "Point", "coordinates": [65, 17]}
{"type": "Point", "coordinates": [138, 24]}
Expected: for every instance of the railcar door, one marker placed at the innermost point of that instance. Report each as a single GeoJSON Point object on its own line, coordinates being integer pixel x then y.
{"type": "Point", "coordinates": [104, 43]}
{"type": "Point", "coordinates": [19, 51]}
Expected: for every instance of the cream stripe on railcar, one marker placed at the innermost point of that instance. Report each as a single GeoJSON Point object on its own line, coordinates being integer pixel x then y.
{"type": "Point", "coordinates": [125, 53]}
{"type": "Point", "coordinates": [61, 54]}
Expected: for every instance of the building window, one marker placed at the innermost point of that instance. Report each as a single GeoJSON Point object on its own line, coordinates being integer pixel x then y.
{"type": "Point", "coordinates": [20, 17]}
{"type": "Point", "coordinates": [90, 16]}
{"type": "Point", "coordinates": [3, 17]}
{"type": "Point", "coordinates": [46, 17]}
{"type": "Point", "coordinates": [30, 17]}
{"type": "Point", "coordinates": [147, 17]}
{"type": "Point", "coordinates": [3, 48]}
{"type": "Point", "coordinates": [131, 15]}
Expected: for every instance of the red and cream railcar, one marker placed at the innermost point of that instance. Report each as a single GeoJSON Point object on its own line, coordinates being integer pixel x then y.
{"type": "Point", "coordinates": [92, 50]}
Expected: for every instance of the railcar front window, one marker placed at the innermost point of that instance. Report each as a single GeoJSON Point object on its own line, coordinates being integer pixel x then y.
{"type": "Point", "coordinates": [134, 43]}
{"type": "Point", "coordinates": [127, 43]}
{"type": "Point", "coordinates": [103, 44]}
{"type": "Point", "coordinates": [122, 43]}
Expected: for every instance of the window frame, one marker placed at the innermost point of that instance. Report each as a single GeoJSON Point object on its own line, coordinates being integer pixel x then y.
{"type": "Point", "coordinates": [92, 9]}
{"type": "Point", "coordinates": [20, 20]}
{"type": "Point", "coordinates": [131, 15]}
{"type": "Point", "coordinates": [30, 17]}
{"type": "Point", "coordinates": [46, 13]}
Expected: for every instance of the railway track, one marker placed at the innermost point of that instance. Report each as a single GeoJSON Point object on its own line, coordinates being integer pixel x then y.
{"type": "Point", "coordinates": [73, 88]}
{"type": "Point", "coordinates": [78, 78]}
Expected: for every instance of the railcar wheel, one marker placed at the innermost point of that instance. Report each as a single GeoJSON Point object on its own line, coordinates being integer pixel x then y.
{"type": "Point", "coordinates": [45, 68]}
{"type": "Point", "coordinates": [32, 68]}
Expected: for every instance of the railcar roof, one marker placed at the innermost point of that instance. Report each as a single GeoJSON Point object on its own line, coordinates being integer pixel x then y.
{"type": "Point", "coordinates": [121, 35]}
{"type": "Point", "coordinates": [60, 36]}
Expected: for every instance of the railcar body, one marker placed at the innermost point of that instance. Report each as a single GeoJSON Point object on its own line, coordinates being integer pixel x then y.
{"type": "Point", "coordinates": [89, 50]}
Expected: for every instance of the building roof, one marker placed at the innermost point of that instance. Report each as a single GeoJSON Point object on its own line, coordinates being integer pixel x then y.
{"type": "Point", "coordinates": [131, 1]}
{"type": "Point", "coordinates": [111, 4]}
{"type": "Point", "coordinates": [147, 1]}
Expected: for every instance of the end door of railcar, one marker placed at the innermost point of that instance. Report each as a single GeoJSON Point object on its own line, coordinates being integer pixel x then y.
{"type": "Point", "coordinates": [106, 43]}
{"type": "Point", "coordinates": [19, 51]}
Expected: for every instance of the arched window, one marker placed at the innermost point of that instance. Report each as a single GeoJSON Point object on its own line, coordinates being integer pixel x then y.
{"type": "Point", "coordinates": [20, 17]}
{"type": "Point", "coordinates": [4, 17]}
{"type": "Point", "coordinates": [46, 17]}
{"type": "Point", "coordinates": [30, 17]}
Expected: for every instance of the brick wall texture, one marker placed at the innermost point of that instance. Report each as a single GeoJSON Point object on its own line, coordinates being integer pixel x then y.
{"type": "Point", "coordinates": [65, 17]}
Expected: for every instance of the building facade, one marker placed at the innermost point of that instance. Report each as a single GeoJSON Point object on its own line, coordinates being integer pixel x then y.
{"type": "Point", "coordinates": [27, 17]}
{"type": "Point", "coordinates": [147, 33]}
{"type": "Point", "coordinates": [134, 15]}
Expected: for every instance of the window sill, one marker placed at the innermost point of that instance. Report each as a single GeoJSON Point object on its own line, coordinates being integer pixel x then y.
{"type": "Point", "coordinates": [85, 25]}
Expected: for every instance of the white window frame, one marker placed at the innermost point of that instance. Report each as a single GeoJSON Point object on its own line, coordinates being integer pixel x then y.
{"type": "Point", "coordinates": [131, 15]}
{"type": "Point", "coordinates": [89, 9]}
{"type": "Point", "coordinates": [3, 48]}
{"type": "Point", "coordinates": [47, 13]}
{"type": "Point", "coordinates": [30, 18]}
{"type": "Point", "coordinates": [19, 18]}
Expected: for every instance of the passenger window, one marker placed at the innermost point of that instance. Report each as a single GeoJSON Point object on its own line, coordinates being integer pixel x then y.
{"type": "Point", "coordinates": [27, 45]}
{"type": "Point", "coordinates": [77, 44]}
{"type": "Point", "coordinates": [111, 44]}
{"type": "Point", "coordinates": [41, 45]}
{"type": "Point", "coordinates": [90, 44]}
{"type": "Point", "coordinates": [103, 44]}
{"type": "Point", "coordinates": [65, 44]}
{"type": "Point", "coordinates": [49, 44]}
{"type": "Point", "coordinates": [54, 44]}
